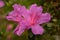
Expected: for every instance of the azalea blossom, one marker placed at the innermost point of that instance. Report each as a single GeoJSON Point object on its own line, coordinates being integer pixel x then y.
{"type": "Point", "coordinates": [29, 19]}
{"type": "Point", "coordinates": [1, 4]}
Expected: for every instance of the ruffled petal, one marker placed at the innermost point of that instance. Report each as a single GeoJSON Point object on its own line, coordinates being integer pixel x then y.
{"type": "Point", "coordinates": [13, 16]}
{"type": "Point", "coordinates": [33, 7]}
{"type": "Point", "coordinates": [37, 29]}
{"type": "Point", "coordinates": [16, 7]}
{"type": "Point", "coordinates": [44, 18]}
{"type": "Point", "coordinates": [19, 29]}
{"type": "Point", "coordinates": [10, 15]}
{"type": "Point", "coordinates": [36, 9]}
{"type": "Point", "coordinates": [40, 9]}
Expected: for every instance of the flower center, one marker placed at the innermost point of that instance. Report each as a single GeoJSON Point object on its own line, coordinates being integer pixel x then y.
{"type": "Point", "coordinates": [32, 21]}
{"type": "Point", "coordinates": [34, 18]}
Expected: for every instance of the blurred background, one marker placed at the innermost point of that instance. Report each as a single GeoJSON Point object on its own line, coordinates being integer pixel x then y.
{"type": "Point", "coordinates": [52, 29]}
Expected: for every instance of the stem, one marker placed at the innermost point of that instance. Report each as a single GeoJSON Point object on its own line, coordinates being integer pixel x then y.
{"type": "Point", "coordinates": [31, 36]}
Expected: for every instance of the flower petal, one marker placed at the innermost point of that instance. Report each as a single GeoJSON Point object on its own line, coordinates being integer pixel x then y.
{"type": "Point", "coordinates": [19, 29]}
{"type": "Point", "coordinates": [40, 9]}
{"type": "Point", "coordinates": [33, 7]}
{"type": "Point", "coordinates": [44, 18]}
{"type": "Point", "coordinates": [14, 16]}
{"type": "Point", "coordinates": [16, 6]}
{"type": "Point", "coordinates": [37, 29]}
{"type": "Point", "coordinates": [36, 9]}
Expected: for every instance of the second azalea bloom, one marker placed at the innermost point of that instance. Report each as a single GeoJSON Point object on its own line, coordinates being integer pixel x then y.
{"type": "Point", "coordinates": [1, 4]}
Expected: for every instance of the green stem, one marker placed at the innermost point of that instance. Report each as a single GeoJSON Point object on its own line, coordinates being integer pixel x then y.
{"type": "Point", "coordinates": [31, 36]}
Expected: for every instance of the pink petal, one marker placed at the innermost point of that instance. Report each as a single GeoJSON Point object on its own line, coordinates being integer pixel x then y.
{"type": "Point", "coordinates": [14, 16]}
{"type": "Point", "coordinates": [33, 7]}
{"type": "Point", "coordinates": [37, 29]}
{"type": "Point", "coordinates": [10, 16]}
{"type": "Point", "coordinates": [16, 7]}
{"type": "Point", "coordinates": [40, 9]}
{"type": "Point", "coordinates": [20, 29]}
{"type": "Point", "coordinates": [36, 9]}
{"type": "Point", "coordinates": [44, 18]}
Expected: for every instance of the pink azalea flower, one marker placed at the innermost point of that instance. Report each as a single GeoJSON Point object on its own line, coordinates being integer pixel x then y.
{"type": "Point", "coordinates": [29, 19]}
{"type": "Point", "coordinates": [34, 17]}
{"type": "Point", "coordinates": [1, 4]}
